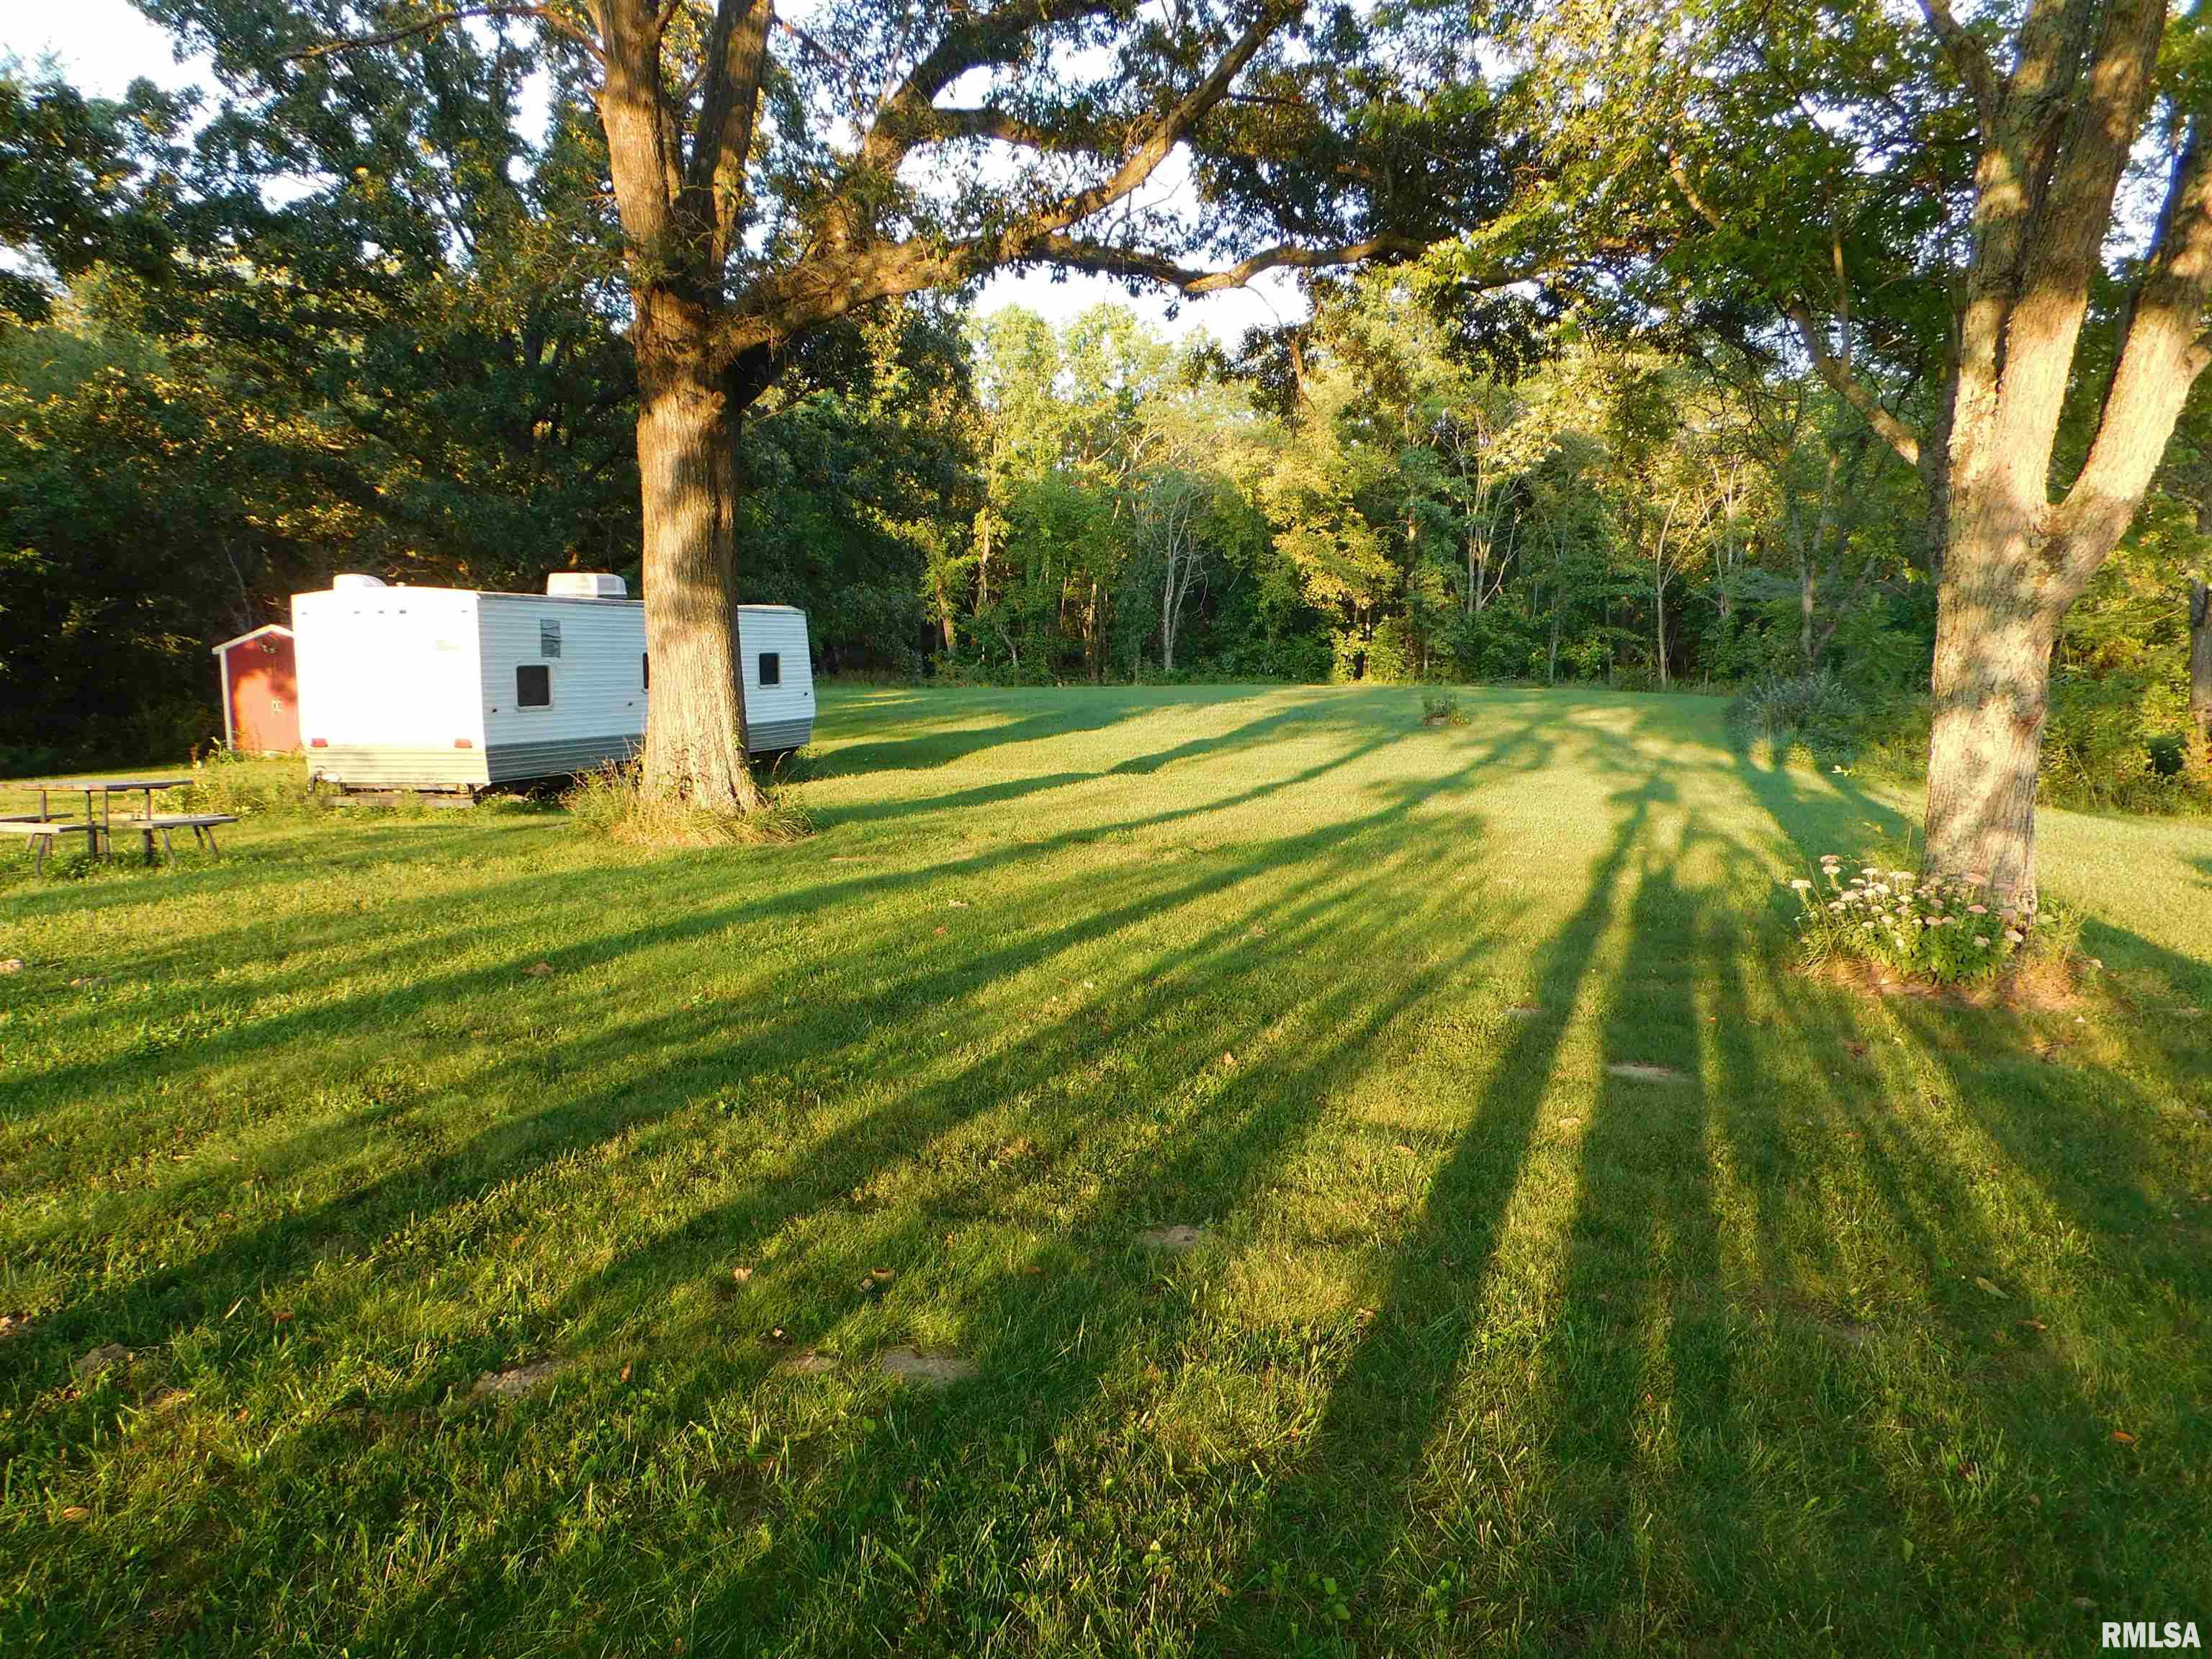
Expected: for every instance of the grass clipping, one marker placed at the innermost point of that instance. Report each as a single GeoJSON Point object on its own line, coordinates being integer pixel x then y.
{"type": "Point", "coordinates": [612, 802]}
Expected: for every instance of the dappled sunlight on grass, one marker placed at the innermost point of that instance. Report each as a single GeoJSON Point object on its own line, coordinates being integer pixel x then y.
{"type": "Point", "coordinates": [1565, 1272]}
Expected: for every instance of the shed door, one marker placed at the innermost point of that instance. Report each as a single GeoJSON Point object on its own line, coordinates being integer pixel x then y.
{"type": "Point", "coordinates": [264, 707]}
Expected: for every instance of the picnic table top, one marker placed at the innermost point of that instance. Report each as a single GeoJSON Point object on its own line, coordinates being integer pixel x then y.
{"type": "Point", "coordinates": [105, 786]}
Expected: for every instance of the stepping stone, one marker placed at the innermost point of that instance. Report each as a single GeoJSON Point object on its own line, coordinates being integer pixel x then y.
{"type": "Point", "coordinates": [1645, 1073]}
{"type": "Point", "coordinates": [520, 1380]}
{"type": "Point", "coordinates": [1176, 1241]}
{"type": "Point", "coordinates": [936, 1371]}
{"type": "Point", "coordinates": [809, 1364]}
{"type": "Point", "coordinates": [99, 1360]}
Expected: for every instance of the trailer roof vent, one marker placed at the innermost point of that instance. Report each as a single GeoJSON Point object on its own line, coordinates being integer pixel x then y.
{"type": "Point", "coordinates": [354, 579]}
{"type": "Point", "coordinates": [584, 584]}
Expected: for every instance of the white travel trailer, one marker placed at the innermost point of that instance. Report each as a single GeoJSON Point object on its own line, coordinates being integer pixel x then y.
{"type": "Point", "coordinates": [443, 688]}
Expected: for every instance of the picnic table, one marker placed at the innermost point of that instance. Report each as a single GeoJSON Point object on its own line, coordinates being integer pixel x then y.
{"type": "Point", "coordinates": [46, 828]}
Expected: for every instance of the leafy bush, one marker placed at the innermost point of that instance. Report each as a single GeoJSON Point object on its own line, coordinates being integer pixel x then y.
{"type": "Point", "coordinates": [612, 801]}
{"type": "Point", "coordinates": [1441, 708]}
{"type": "Point", "coordinates": [1940, 931]}
{"type": "Point", "coordinates": [251, 785]}
{"type": "Point", "coordinates": [1817, 710]}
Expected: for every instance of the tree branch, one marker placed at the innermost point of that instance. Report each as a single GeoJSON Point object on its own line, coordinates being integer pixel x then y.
{"type": "Point", "coordinates": [1063, 249]}
{"type": "Point", "coordinates": [2165, 351]}
{"type": "Point", "coordinates": [544, 14]}
{"type": "Point", "coordinates": [722, 142]}
{"type": "Point", "coordinates": [1969, 58]}
{"type": "Point", "coordinates": [1895, 432]}
{"type": "Point", "coordinates": [969, 42]}
{"type": "Point", "coordinates": [984, 122]}
{"type": "Point", "coordinates": [1144, 160]}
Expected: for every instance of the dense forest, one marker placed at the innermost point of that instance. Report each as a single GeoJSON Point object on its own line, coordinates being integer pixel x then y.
{"type": "Point", "coordinates": [378, 321]}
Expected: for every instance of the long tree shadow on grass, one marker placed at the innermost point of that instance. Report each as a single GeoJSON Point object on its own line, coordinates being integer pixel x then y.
{"type": "Point", "coordinates": [2047, 1280]}
{"type": "Point", "coordinates": [1075, 1299]}
{"type": "Point", "coordinates": [941, 742]}
{"type": "Point", "coordinates": [399, 932]}
{"type": "Point", "coordinates": [510, 1153]}
{"type": "Point", "coordinates": [1336, 1515]}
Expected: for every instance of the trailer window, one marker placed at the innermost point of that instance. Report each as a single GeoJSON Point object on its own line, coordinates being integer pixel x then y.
{"type": "Point", "coordinates": [533, 685]}
{"type": "Point", "coordinates": [771, 668]}
{"type": "Point", "coordinates": [645, 670]}
{"type": "Point", "coordinates": [549, 639]}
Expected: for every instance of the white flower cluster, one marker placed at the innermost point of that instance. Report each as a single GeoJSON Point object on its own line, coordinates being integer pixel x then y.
{"type": "Point", "coordinates": [1937, 926]}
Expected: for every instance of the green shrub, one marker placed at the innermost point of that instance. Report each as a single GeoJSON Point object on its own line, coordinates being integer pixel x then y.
{"type": "Point", "coordinates": [1441, 708]}
{"type": "Point", "coordinates": [1815, 710]}
{"type": "Point", "coordinates": [252, 785]}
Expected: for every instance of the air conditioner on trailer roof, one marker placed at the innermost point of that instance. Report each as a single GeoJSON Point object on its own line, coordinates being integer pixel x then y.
{"type": "Point", "coordinates": [584, 584]}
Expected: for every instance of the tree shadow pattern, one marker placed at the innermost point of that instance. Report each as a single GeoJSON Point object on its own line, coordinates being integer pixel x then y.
{"type": "Point", "coordinates": [1633, 1362]}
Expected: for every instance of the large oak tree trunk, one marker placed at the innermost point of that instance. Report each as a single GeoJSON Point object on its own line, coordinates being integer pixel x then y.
{"type": "Point", "coordinates": [694, 746]}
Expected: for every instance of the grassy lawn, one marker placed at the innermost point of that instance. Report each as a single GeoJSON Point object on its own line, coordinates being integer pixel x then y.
{"type": "Point", "coordinates": [1873, 1327]}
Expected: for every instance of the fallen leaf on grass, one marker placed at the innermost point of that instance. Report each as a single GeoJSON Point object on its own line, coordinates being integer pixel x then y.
{"type": "Point", "coordinates": [77, 1512]}
{"type": "Point", "coordinates": [1986, 1288]}
{"type": "Point", "coordinates": [936, 930]}
{"type": "Point", "coordinates": [2123, 1438]}
{"type": "Point", "coordinates": [540, 969]}
{"type": "Point", "coordinates": [2033, 1325]}
{"type": "Point", "coordinates": [625, 1378]}
{"type": "Point", "coordinates": [956, 904]}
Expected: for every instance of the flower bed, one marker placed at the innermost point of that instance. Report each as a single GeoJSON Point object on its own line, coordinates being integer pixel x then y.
{"type": "Point", "coordinates": [1942, 930]}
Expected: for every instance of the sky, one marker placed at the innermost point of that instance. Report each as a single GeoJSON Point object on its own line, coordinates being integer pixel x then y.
{"type": "Point", "coordinates": [103, 45]}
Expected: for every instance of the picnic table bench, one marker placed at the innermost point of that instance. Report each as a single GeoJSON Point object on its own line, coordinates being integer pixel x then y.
{"type": "Point", "coordinates": [44, 828]}
{"type": "Point", "coordinates": [45, 834]}
{"type": "Point", "coordinates": [201, 824]}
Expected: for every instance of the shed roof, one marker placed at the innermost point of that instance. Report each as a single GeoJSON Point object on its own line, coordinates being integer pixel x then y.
{"type": "Point", "coordinates": [266, 628]}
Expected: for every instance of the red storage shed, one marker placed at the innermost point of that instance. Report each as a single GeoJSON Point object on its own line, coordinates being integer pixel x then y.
{"type": "Point", "coordinates": [260, 699]}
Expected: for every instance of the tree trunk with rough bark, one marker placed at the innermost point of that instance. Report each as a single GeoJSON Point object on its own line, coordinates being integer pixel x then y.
{"type": "Point", "coordinates": [1992, 683]}
{"type": "Point", "coordinates": [694, 742]}
{"type": "Point", "coordinates": [2057, 134]}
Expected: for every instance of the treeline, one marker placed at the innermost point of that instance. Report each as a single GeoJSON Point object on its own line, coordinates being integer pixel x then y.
{"type": "Point", "coordinates": [213, 394]}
